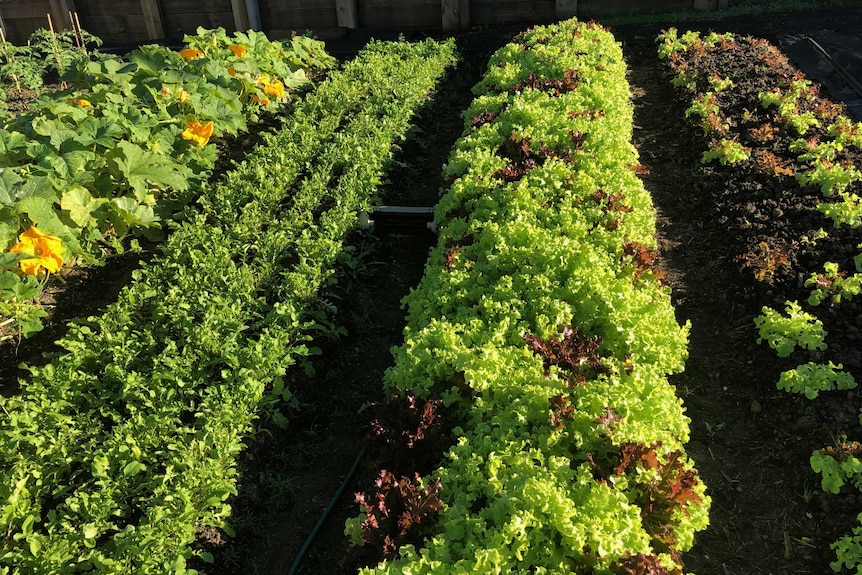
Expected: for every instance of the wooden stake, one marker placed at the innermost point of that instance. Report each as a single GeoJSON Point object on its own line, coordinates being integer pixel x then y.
{"type": "Point", "coordinates": [74, 30]}
{"type": "Point", "coordinates": [6, 49]}
{"type": "Point", "coordinates": [80, 31]}
{"type": "Point", "coordinates": [54, 44]}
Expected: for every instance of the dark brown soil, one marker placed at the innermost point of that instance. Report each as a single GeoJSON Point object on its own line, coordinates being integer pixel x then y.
{"type": "Point", "coordinates": [751, 443]}
{"type": "Point", "coordinates": [19, 100]}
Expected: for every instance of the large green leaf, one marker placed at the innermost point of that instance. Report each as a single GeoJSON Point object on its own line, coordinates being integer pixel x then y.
{"type": "Point", "coordinates": [63, 137]}
{"type": "Point", "coordinates": [28, 320]}
{"type": "Point", "coordinates": [9, 260]}
{"type": "Point", "coordinates": [80, 206]}
{"type": "Point", "coordinates": [56, 131]}
{"type": "Point", "coordinates": [101, 131]}
{"type": "Point", "coordinates": [132, 120]}
{"type": "Point", "coordinates": [153, 59]}
{"type": "Point", "coordinates": [38, 151]}
{"type": "Point", "coordinates": [125, 213]}
{"type": "Point", "coordinates": [143, 169]}
{"type": "Point", "coordinates": [221, 103]}
{"type": "Point", "coordinates": [295, 79]}
{"type": "Point", "coordinates": [69, 167]}
{"type": "Point", "coordinates": [163, 141]}
{"type": "Point", "coordinates": [15, 286]}
{"type": "Point", "coordinates": [112, 70]}
{"type": "Point", "coordinates": [42, 212]}
{"type": "Point", "coordinates": [13, 147]}
{"type": "Point", "coordinates": [9, 181]}
{"type": "Point", "coordinates": [9, 224]}
{"type": "Point", "coordinates": [37, 185]}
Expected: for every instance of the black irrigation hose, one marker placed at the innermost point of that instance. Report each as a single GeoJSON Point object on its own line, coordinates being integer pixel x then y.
{"type": "Point", "coordinates": [326, 512]}
{"type": "Point", "coordinates": [857, 87]}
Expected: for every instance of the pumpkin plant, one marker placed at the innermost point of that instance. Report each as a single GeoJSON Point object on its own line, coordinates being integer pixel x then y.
{"type": "Point", "coordinates": [131, 142]}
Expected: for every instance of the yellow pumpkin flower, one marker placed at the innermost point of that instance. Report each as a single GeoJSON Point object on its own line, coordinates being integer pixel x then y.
{"type": "Point", "coordinates": [181, 94]}
{"type": "Point", "coordinates": [275, 89]}
{"type": "Point", "coordinates": [231, 71]}
{"type": "Point", "coordinates": [46, 251]}
{"type": "Point", "coordinates": [191, 53]}
{"type": "Point", "coordinates": [261, 101]}
{"type": "Point", "coordinates": [198, 133]}
{"type": "Point", "coordinates": [262, 79]}
{"type": "Point", "coordinates": [238, 51]}
{"type": "Point", "coordinates": [81, 102]}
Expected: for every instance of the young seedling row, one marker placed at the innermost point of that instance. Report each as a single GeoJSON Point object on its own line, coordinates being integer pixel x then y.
{"type": "Point", "coordinates": [786, 159]}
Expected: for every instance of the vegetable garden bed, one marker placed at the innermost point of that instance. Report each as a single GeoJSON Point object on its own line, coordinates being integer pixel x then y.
{"type": "Point", "coordinates": [750, 442]}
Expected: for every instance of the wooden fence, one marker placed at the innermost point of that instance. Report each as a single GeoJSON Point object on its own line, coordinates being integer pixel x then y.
{"type": "Point", "coordinates": [121, 22]}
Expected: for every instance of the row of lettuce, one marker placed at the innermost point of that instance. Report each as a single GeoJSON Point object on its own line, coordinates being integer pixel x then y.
{"type": "Point", "coordinates": [122, 446]}
{"type": "Point", "coordinates": [792, 138]}
{"type": "Point", "coordinates": [126, 147]}
{"type": "Point", "coordinates": [541, 321]}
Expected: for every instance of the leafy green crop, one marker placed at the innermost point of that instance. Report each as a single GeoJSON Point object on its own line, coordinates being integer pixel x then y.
{"type": "Point", "coordinates": [541, 320]}
{"type": "Point", "coordinates": [783, 334]}
{"type": "Point", "coordinates": [838, 465]}
{"type": "Point", "coordinates": [670, 42]}
{"type": "Point", "coordinates": [727, 152]}
{"type": "Point", "coordinates": [788, 103]}
{"type": "Point", "coordinates": [848, 550]}
{"type": "Point", "coordinates": [793, 103]}
{"type": "Point", "coordinates": [21, 68]}
{"type": "Point", "coordinates": [833, 284]}
{"type": "Point", "coordinates": [832, 176]}
{"type": "Point", "coordinates": [812, 378]}
{"type": "Point", "coordinates": [846, 212]}
{"type": "Point", "coordinates": [46, 52]}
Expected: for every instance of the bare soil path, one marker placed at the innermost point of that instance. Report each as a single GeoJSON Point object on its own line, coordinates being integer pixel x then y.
{"type": "Point", "coordinates": [750, 442]}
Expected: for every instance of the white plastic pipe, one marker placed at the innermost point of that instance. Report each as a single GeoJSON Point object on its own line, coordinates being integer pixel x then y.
{"type": "Point", "coordinates": [399, 216]}
{"type": "Point", "coordinates": [253, 9]}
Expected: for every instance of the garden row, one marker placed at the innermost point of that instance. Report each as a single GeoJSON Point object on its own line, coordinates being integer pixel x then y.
{"type": "Point", "coordinates": [542, 336]}
{"type": "Point", "coordinates": [125, 147]}
{"type": "Point", "coordinates": [120, 448]}
{"type": "Point", "coordinates": [794, 159]}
